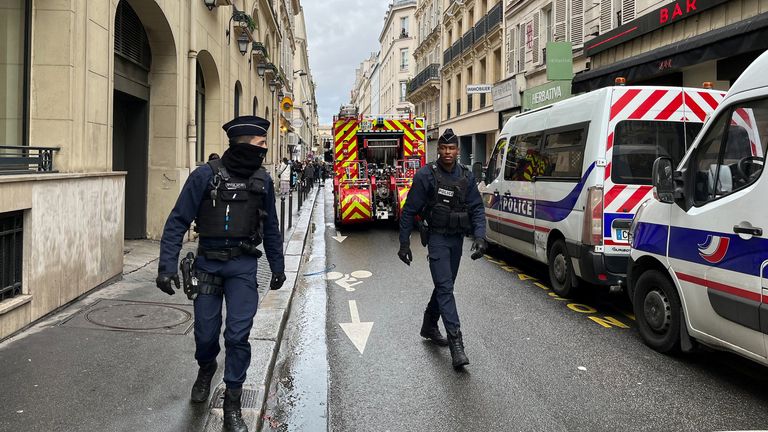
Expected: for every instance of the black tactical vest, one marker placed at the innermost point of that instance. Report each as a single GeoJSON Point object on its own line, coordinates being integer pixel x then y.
{"type": "Point", "coordinates": [447, 211]}
{"type": "Point", "coordinates": [232, 207]}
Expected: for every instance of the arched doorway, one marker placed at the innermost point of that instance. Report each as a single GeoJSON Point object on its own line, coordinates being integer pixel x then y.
{"type": "Point", "coordinates": [146, 124]}
{"type": "Point", "coordinates": [209, 130]}
{"type": "Point", "coordinates": [130, 133]}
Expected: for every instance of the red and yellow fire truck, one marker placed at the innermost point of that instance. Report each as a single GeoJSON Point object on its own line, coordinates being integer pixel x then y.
{"type": "Point", "coordinates": [375, 158]}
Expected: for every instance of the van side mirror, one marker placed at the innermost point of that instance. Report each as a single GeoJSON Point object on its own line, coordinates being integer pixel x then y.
{"type": "Point", "coordinates": [663, 180]}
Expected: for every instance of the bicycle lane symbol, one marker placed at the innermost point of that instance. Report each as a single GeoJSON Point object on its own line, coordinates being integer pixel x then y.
{"type": "Point", "coordinates": [348, 281]}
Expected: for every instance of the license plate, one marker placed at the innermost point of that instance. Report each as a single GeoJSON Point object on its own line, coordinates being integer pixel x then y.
{"type": "Point", "coordinates": [622, 235]}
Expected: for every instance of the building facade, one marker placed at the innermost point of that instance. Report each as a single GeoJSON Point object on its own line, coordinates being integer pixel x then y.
{"type": "Point", "coordinates": [108, 108]}
{"type": "Point", "coordinates": [424, 88]}
{"type": "Point", "coordinates": [472, 62]}
{"type": "Point", "coordinates": [398, 42]}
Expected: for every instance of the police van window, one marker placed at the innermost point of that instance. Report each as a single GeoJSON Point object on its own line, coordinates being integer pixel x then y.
{"type": "Point", "coordinates": [732, 155]}
{"type": "Point", "coordinates": [637, 144]}
{"type": "Point", "coordinates": [563, 154]}
{"type": "Point", "coordinates": [523, 157]}
{"type": "Point", "coordinates": [494, 163]}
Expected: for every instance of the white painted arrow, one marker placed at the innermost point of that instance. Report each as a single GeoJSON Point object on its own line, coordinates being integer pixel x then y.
{"type": "Point", "coordinates": [357, 331]}
{"type": "Point", "coordinates": [338, 237]}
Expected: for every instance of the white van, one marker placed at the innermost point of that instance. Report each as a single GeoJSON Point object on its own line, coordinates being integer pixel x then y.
{"type": "Point", "coordinates": [563, 182]}
{"type": "Point", "coordinates": [699, 250]}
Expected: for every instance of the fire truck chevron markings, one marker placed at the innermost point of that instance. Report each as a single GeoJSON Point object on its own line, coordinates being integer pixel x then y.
{"type": "Point", "coordinates": [357, 331]}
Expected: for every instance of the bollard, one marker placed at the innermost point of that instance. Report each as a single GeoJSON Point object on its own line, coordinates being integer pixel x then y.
{"type": "Point", "coordinates": [290, 211]}
{"type": "Point", "coordinates": [298, 192]}
{"type": "Point", "coordinates": [282, 215]}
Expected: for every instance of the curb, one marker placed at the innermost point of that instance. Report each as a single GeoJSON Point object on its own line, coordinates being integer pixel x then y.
{"type": "Point", "coordinates": [267, 331]}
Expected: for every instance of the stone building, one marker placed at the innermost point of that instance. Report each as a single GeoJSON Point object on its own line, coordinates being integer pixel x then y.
{"type": "Point", "coordinates": [397, 42]}
{"type": "Point", "coordinates": [108, 106]}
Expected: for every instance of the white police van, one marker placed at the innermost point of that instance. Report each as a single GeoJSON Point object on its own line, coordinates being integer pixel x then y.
{"type": "Point", "coordinates": [699, 255]}
{"type": "Point", "coordinates": [563, 182]}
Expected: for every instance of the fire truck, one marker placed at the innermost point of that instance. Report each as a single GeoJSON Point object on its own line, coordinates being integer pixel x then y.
{"type": "Point", "coordinates": [375, 159]}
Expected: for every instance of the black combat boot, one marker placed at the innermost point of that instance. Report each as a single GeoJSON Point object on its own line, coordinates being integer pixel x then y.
{"type": "Point", "coordinates": [202, 386]}
{"type": "Point", "coordinates": [233, 418]}
{"type": "Point", "coordinates": [456, 345]}
{"type": "Point", "coordinates": [430, 330]}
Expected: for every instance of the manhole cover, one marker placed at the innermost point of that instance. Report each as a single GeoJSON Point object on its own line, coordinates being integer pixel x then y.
{"type": "Point", "coordinates": [248, 399]}
{"type": "Point", "coordinates": [137, 316]}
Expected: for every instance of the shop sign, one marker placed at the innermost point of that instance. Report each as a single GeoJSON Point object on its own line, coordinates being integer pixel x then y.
{"type": "Point", "coordinates": [559, 61]}
{"type": "Point", "coordinates": [505, 95]}
{"type": "Point", "coordinates": [479, 88]}
{"type": "Point", "coordinates": [663, 16]}
{"type": "Point", "coordinates": [546, 94]}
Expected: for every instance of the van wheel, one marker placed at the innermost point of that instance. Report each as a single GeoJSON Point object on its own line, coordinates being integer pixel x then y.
{"type": "Point", "coordinates": [561, 275]}
{"type": "Point", "coordinates": [658, 311]}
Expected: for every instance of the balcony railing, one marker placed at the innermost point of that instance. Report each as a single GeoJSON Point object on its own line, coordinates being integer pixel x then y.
{"type": "Point", "coordinates": [431, 72]}
{"type": "Point", "coordinates": [24, 160]}
{"type": "Point", "coordinates": [447, 57]}
{"type": "Point", "coordinates": [456, 49]}
{"type": "Point", "coordinates": [494, 17]}
{"type": "Point", "coordinates": [480, 27]}
{"type": "Point", "coordinates": [468, 40]}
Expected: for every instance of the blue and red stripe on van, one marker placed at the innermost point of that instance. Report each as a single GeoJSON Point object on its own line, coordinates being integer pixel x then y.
{"type": "Point", "coordinates": [738, 255]}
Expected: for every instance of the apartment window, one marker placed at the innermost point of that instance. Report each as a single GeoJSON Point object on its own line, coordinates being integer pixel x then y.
{"type": "Point", "coordinates": [14, 72]}
{"type": "Point", "coordinates": [11, 241]}
{"type": "Point", "coordinates": [404, 59]}
{"type": "Point", "coordinates": [403, 90]}
{"type": "Point", "coordinates": [404, 27]}
{"type": "Point", "coordinates": [200, 114]}
{"type": "Point", "coordinates": [470, 80]}
{"type": "Point", "coordinates": [238, 96]}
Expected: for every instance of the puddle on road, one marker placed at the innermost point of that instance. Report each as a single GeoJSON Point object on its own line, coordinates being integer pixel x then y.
{"type": "Point", "coordinates": [298, 393]}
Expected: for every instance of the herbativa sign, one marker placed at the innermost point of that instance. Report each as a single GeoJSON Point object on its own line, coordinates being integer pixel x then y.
{"type": "Point", "coordinates": [545, 94]}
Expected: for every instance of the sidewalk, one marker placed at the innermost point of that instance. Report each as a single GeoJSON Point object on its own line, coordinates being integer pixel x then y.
{"type": "Point", "coordinates": [122, 357]}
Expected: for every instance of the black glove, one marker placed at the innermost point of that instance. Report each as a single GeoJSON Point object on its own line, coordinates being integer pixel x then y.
{"type": "Point", "coordinates": [479, 246]}
{"type": "Point", "coordinates": [277, 281]}
{"type": "Point", "coordinates": [164, 283]}
{"type": "Point", "coordinates": [405, 253]}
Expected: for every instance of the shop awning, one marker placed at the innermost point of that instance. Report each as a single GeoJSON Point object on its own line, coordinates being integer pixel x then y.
{"type": "Point", "coordinates": [745, 36]}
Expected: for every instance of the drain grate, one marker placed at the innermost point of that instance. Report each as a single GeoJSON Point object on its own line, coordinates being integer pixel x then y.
{"type": "Point", "coordinates": [133, 316]}
{"type": "Point", "coordinates": [248, 399]}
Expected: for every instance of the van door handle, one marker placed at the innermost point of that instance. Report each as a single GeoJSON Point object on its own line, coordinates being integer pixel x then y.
{"type": "Point", "coordinates": [749, 230]}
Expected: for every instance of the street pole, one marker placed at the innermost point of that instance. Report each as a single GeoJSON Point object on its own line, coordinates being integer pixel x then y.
{"type": "Point", "coordinates": [282, 214]}
{"type": "Point", "coordinates": [290, 210]}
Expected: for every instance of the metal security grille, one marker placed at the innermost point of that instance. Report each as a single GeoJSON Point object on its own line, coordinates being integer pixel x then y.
{"type": "Point", "coordinates": [130, 38]}
{"type": "Point", "coordinates": [11, 240]}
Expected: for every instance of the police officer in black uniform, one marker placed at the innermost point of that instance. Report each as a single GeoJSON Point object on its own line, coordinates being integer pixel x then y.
{"type": "Point", "coordinates": [445, 195]}
{"type": "Point", "coordinates": [232, 202]}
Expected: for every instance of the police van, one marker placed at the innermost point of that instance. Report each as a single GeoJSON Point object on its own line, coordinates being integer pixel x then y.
{"type": "Point", "coordinates": [699, 260]}
{"type": "Point", "coordinates": [564, 181]}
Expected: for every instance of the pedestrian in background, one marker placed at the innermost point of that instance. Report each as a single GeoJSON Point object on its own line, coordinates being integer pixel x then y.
{"type": "Point", "coordinates": [445, 195]}
{"type": "Point", "coordinates": [284, 174]}
{"type": "Point", "coordinates": [230, 229]}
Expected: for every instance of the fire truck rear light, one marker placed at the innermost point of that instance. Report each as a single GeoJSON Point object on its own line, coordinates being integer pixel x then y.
{"type": "Point", "coordinates": [602, 277]}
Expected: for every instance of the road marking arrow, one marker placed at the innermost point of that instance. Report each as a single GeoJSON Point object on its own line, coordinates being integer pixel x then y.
{"type": "Point", "coordinates": [338, 237]}
{"type": "Point", "coordinates": [357, 331]}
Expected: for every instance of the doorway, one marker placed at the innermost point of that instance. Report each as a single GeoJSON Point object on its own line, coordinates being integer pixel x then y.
{"type": "Point", "coordinates": [129, 153]}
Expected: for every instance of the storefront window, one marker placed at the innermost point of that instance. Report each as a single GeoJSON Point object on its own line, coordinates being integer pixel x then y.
{"type": "Point", "coordinates": [13, 71]}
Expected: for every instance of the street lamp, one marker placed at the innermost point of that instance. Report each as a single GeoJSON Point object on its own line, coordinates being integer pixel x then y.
{"type": "Point", "coordinates": [272, 85]}
{"type": "Point", "coordinates": [210, 4]}
{"type": "Point", "coordinates": [261, 68]}
{"type": "Point", "coordinates": [242, 43]}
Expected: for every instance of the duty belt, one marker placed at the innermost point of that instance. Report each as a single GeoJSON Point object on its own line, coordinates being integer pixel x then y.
{"type": "Point", "coordinates": [221, 254]}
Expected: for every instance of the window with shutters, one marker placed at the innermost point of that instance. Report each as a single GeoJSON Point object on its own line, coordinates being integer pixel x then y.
{"type": "Point", "coordinates": [521, 48]}
{"type": "Point", "coordinates": [577, 22]}
{"type": "Point", "coordinates": [535, 42]}
{"type": "Point", "coordinates": [606, 16]}
{"type": "Point", "coordinates": [627, 10]}
{"type": "Point", "coordinates": [511, 50]}
{"type": "Point", "coordinates": [560, 15]}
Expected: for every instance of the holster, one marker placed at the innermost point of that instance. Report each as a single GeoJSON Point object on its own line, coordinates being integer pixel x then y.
{"type": "Point", "coordinates": [423, 232]}
{"type": "Point", "coordinates": [189, 281]}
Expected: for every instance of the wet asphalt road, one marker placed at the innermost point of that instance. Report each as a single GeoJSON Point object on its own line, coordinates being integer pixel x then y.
{"type": "Point", "coordinates": [538, 362]}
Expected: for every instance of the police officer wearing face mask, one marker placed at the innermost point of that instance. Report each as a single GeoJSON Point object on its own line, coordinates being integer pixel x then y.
{"type": "Point", "coordinates": [445, 195]}
{"type": "Point", "coordinates": [232, 202]}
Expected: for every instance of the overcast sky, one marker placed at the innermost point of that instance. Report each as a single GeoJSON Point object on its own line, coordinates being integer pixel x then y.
{"type": "Point", "coordinates": [341, 34]}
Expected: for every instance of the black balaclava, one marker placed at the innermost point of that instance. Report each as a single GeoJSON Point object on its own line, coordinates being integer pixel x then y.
{"type": "Point", "coordinates": [243, 159]}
